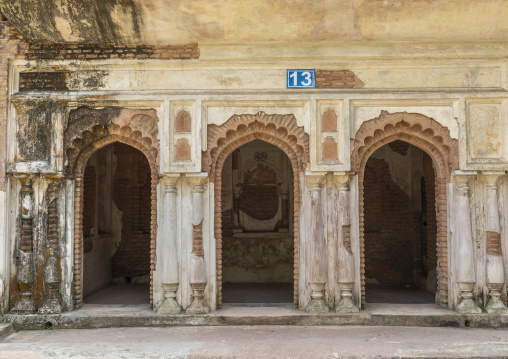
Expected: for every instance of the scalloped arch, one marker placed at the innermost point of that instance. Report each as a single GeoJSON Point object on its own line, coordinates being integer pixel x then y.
{"type": "Point", "coordinates": [414, 128]}
{"type": "Point", "coordinates": [281, 131]}
{"type": "Point", "coordinates": [89, 130]}
{"type": "Point", "coordinates": [435, 140]}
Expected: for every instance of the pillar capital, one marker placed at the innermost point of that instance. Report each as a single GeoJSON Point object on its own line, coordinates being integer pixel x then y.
{"type": "Point", "coordinates": [462, 178]}
{"type": "Point", "coordinates": [492, 177]}
{"type": "Point", "coordinates": [341, 180]}
{"type": "Point", "coordinates": [169, 181]}
{"type": "Point", "coordinates": [24, 178]}
{"type": "Point", "coordinates": [197, 181]}
{"type": "Point", "coordinates": [314, 181]}
{"type": "Point", "coordinates": [54, 180]}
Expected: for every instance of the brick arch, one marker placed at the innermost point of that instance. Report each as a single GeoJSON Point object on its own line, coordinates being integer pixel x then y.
{"type": "Point", "coordinates": [79, 148]}
{"type": "Point", "coordinates": [431, 137]}
{"type": "Point", "coordinates": [281, 131]}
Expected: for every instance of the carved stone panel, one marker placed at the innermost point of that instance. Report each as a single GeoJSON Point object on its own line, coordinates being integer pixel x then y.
{"type": "Point", "coordinates": [183, 122]}
{"type": "Point", "coordinates": [485, 132]}
{"type": "Point", "coordinates": [329, 136]}
{"type": "Point", "coordinates": [182, 150]}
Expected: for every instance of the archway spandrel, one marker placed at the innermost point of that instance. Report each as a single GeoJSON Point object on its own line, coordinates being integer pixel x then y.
{"type": "Point", "coordinates": [415, 128]}
{"type": "Point", "coordinates": [258, 126]}
{"type": "Point", "coordinates": [87, 125]}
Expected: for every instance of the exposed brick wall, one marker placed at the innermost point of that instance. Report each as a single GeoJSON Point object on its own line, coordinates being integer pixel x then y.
{"type": "Point", "coordinates": [337, 79]}
{"type": "Point", "coordinates": [399, 147]}
{"type": "Point", "coordinates": [131, 193]}
{"type": "Point", "coordinates": [390, 244]}
{"type": "Point", "coordinates": [400, 233]}
{"type": "Point", "coordinates": [90, 204]}
{"type": "Point", "coordinates": [103, 52]}
{"type": "Point", "coordinates": [430, 212]}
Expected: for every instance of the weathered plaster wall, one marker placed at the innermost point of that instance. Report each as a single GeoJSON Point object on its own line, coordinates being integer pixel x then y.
{"type": "Point", "coordinates": [461, 87]}
{"type": "Point", "coordinates": [160, 22]}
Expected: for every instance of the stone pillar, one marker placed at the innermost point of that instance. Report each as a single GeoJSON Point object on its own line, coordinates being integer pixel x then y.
{"type": "Point", "coordinates": [25, 256]}
{"type": "Point", "coordinates": [495, 266]}
{"type": "Point", "coordinates": [170, 267]}
{"type": "Point", "coordinates": [52, 269]}
{"type": "Point", "coordinates": [465, 246]}
{"type": "Point", "coordinates": [317, 248]}
{"type": "Point", "coordinates": [345, 258]}
{"type": "Point", "coordinates": [197, 263]}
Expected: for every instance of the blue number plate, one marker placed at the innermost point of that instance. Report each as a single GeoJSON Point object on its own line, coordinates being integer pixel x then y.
{"type": "Point", "coordinates": [301, 79]}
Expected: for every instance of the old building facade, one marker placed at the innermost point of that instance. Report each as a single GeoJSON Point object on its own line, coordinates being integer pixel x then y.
{"type": "Point", "coordinates": [186, 165]}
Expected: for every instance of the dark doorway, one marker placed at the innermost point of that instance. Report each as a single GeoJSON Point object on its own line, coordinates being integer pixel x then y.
{"type": "Point", "coordinates": [257, 225]}
{"type": "Point", "coordinates": [400, 228]}
{"type": "Point", "coordinates": [116, 226]}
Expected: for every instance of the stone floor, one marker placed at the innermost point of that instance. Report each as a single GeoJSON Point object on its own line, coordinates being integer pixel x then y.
{"type": "Point", "coordinates": [257, 293]}
{"type": "Point", "coordinates": [382, 293]}
{"type": "Point", "coordinates": [257, 342]}
{"type": "Point", "coordinates": [121, 294]}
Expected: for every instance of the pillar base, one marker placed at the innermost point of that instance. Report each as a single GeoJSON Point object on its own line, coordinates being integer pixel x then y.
{"type": "Point", "coordinates": [198, 305]}
{"type": "Point", "coordinates": [317, 303]}
{"type": "Point", "coordinates": [468, 306]}
{"type": "Point", "coordinates": [495, 305]}
{"type": "Point", "coordinates": [170, 305]}
{"type": "Point", "coordinates": [25, 304]}
{"type": "Point", "coordinates": [346, 304]}
{"type": "Point", "coordinates": [52, 304]}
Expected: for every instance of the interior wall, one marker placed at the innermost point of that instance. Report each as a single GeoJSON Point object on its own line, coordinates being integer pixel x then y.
{"type": "Point", "coordinates": [116, 218]}
{"type": "Point", "coordinates": [257, 215]}
{"type": "Point", "coordinates": [400, 217]}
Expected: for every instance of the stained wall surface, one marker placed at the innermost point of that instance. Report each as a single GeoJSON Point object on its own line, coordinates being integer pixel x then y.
{"type": "Point", "coordinates": [189, 94]}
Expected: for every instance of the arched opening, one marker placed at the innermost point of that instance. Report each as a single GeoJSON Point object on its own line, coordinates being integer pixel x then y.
{"type": "Point", "coordinates": [400, 226]}
{"type": "Point", "coordinates": [257, 225]}
{"type": "Point", "coordinates": [116, 226]}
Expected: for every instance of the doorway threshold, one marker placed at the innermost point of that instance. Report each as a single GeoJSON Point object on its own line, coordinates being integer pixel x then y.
{"type": "Point", "coordinates": [264, 305]}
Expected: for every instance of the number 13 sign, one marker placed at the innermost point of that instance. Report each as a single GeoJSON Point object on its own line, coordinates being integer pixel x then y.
{"type": "Point", "coordinates": [301, 79]}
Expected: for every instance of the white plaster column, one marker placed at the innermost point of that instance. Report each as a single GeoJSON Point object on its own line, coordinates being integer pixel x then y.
{"type": "Point", "coordinates": [317, 248]}
{"type": "Point", "coordinates": [25, 256]}
{"type": "Point", "coordinates": [345, 258]}
{"type": "Point", "coordinates": [198, 276]}
{"type": "Point", "coordinates": [170, 264]}
{"type": "Point", "coordinates": [495, 266]}
{"type": "Point", "coordinates": [465, 248]}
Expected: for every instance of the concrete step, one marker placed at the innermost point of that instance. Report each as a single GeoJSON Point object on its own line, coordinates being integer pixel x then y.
{"type": "Point", "coordinates": [5, 329]}
{"type": "Point", "coordinates": [110, 316]}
